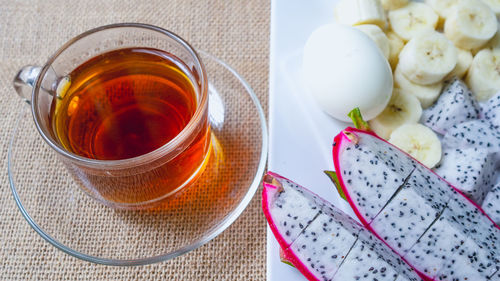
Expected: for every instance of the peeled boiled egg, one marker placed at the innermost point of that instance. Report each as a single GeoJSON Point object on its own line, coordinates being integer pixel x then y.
{"type": "Point", "coordinates": [343, 69]}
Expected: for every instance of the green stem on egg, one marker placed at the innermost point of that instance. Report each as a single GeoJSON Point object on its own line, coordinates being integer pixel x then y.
{"type": "Point", "coordinates": [358, 121]}
{"type": "Point", "coordinates": [333, 177]}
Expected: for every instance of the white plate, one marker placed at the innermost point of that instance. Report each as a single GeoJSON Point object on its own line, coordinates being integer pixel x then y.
{"type": "Point", "coordinates": [301, 135]}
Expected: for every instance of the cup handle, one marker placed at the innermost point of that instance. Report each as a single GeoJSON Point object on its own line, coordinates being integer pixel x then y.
{"type": "Point", "coordinates": [25, 81]}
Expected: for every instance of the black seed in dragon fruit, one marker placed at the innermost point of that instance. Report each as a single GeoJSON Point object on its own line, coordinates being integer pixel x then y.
{"type": "Point", "coordinates": [430, 187]}
{"type": "Point", "coordinates": [386, 256]}
{"type": "Point", "coordinates": [491, 111]}
{"type": "Point", "coordinates": [471, 169]}
{"type": "Point", "coordinates": [467, 263]}
{"type": "Point", "coordinates": [284, 206]}
{"type": "Point", "coordinates": [464, 219]}
{"type": "Point", "coordinates": [364, 263]}
{"type": "Point", "coordinates": [324, 244]}
{"type": "Point", "coordinates": [320, 249]}
{"type": "Point", "coordinates": [478, 228]}
{"type": "Point", "coordinates": [491, 204]}
{"type": "Point", "coordinates": [412, 209]}
{"type": "Point", "coordinates": [401, 278]}
{"type": "Point", "coordinates": [476, 133]}
{"type": "Point", "coordinates": [455, 105]}
{"type": "Point", "coordinates": [405, 218]}
{"type": "Point", "coordinates": [439, 242]}
{"type": "Point", "coordinates": [384, 174]}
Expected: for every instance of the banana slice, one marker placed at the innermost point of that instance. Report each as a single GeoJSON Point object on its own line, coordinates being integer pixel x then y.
{"type": "Point", "coordinates": [464, 60]}
{"type": "Point", "coordinates": [356, 12]}
{"type": "Point", "coordinates": [470, 25]}
{"type": "Point", "coordinates": [402, 109]}
{"type": "Point", "coordinates": [378, 36]}
{"type": "Point", "coordinates": [426, 94]}
{"type": "Point", "coordinates": [494, 6]}
{"type": "Point", "coordinates": [396, 44]}
{"type": "Point", "coordinates": [442, 7]}
{"type": "Point", "coordinates": [427, 58]}
{"type": "Point", "coordinates": [419, 141]}
{"type": "Point", "coordinates": [390, 5]}
{"type": "Point", "coordinates": [495, 41]}
{"type": "Point", "coordinates": [483, 77]}
{"type": "Point", "coordinates": [412, 19]}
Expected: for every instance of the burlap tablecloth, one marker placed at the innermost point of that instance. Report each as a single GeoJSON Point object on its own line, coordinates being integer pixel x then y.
{"type": "Point", "coordinates": [30, 31]}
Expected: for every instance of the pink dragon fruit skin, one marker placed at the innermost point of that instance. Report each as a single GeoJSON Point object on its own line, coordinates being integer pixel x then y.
{"type": "Point", "coordinates": [491, 111]}
{"type": "Point", "coordinates": [471, 169]}
{"type": "Point", "coordinates": [455, 105]}
{"type": "Point", "coordinates": [351, 137]}
{"type": "Point", "coordinates": [325, 244]}
{"type": "Point", "coordinates": [491, 203]}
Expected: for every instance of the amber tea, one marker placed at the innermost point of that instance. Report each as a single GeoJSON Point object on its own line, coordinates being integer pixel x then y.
{"type": "Point", "coordinates": [126, 103]}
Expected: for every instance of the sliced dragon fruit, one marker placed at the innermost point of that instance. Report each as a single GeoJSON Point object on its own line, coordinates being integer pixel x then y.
{"type": "Point", "coordinates": [491, 204]}
{"type": "Point", "coordinates": [455, 105]}
{"type": "Point", "coordinates": [385, 254]}
{"type": "Point", "coordinates": [467, 264]}
{"type": "Point", "coordinates": [476, 225]}
{"type": "Point", "coordinates": [471, 169]}
{"type": "Point", "coordinates": [439, 242]}
{"type": "Point", "coordinates": [323, 248]}
{"type": "Point", "coordinates": [431, 187]}
{"type": "Point", "coordinates": [384, 174]}
{"type": "Point", "coordinates": [361, 264]}
{"type": "Point", "coordinates": [469, 221]}
{"type": "Point", "coordinates": [290, 223]}
{"type": "Point", "coordinates": [476, 133]}
{"type": "Point", "coordinates": [491, 111]}
{"type": "Point", "coordinates": [324, 244]}
{"type": "Point", "coordinates": [405, 218]}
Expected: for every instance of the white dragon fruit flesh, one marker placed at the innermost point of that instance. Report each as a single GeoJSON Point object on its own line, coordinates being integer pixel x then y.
{"type": "Point", "coordinates": [455, 105]}
{"type": "Point", "coordinates": [401, 278]}
{"type": "Point", "coordinates": [468, 256]}
{"type": "Point", "coordinates": [425, 208]}
{"type": "Point", "coordinates": [384, 169]}
{"type": "Point", "coordinates": [470, 169]}
{"type": "Point", "coordinates": [480, 229]}
{"type": "Point", "coordinates": [491, 204]}
{"type": "Point", "coordinates": [475, 223]}
{"type": "Point", "coordinates": [332, 244]}
{"type": "Point", "coordinates": [434, 247]}
{"type": "Point", "coordinates": [476, 133]}
{"type": "Point", "coordinates": [405, 218]}
{"type": "Point", "coordinates": [321, 251]}
{"type": "Point", "coordinates": [491, 111]}
{"type": "Point", "coordinates": [362, 264]}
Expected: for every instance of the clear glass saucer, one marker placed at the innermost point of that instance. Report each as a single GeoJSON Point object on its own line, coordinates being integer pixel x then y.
{"type": "Point", "coordinates": [72, 221]}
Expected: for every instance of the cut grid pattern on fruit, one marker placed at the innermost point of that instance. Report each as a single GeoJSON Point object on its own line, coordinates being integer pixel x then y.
{"type": "Point", "coordinates": [332, 244]}
{"type": "Point", "coordinates": [372, 182]}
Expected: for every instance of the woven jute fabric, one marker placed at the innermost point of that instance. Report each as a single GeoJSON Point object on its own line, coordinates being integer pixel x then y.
{"type": "Point", "coordinates": [30, 31]}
